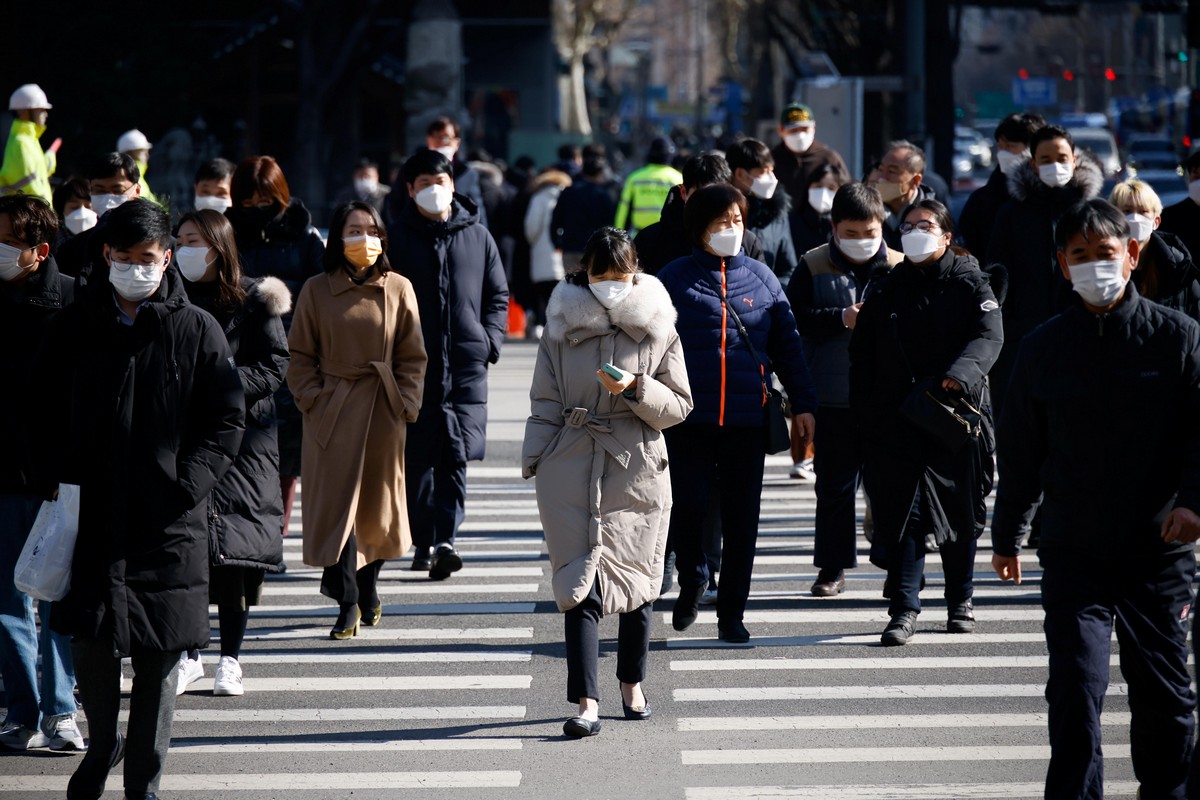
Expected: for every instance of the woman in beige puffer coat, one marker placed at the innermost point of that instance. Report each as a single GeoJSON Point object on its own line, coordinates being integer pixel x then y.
{"type": "Point", "coordinates": [595, 443]}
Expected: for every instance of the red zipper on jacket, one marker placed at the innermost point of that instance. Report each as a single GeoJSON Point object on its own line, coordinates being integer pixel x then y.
{"type": "Point", "coordinates": [724, 327]}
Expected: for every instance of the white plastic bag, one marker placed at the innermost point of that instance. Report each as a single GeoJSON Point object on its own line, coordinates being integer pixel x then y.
{"type": "Point", "coordinates": [44, 569]}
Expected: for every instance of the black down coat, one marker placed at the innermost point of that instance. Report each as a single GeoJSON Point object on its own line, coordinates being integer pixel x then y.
{"type": "Point", "coordinates": [149, 418]}
{"type": "Point", "coordinates": [942, 319]}
{"type": "Point", "coordinates": [1165, 266]}
{"type": "Point", "coordinates": [462, 296]}
{"type": "Point", "coordinates": [247, 508]}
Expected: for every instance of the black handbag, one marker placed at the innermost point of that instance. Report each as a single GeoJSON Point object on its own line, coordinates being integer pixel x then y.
{"type": "Point", "coordinates": [776, 436]}
{"type": "Point", "coordinates": [949, 420]}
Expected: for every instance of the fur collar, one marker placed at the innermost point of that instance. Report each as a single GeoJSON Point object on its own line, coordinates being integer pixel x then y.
{"type": "Point", "coordinates": [551, 177]}
{"type": "Point", "coordinates": [1088, 180]}
{"type": "Point", "coordinates": [274, 295]}
{"type": "Point", "coordinates": [575, 313]}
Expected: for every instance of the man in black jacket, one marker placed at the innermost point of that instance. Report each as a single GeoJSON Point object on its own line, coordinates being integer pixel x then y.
{"type": "Point", "coordinates": [39, 714]}
{"type": "Point", "coordinates": [454, 265]}
{"type": "Point", "coordinates": [582, 208]}
{"type": "Point", "coordinates": [151, 414]}
{"type": "Point", "coordinates": [767, 204]}
{"type": "Point", "coordinates": [1114, 367]}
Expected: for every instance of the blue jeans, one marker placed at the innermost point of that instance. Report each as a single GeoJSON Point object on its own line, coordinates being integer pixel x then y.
{"type": "Point", "coordinates": [20, 641]}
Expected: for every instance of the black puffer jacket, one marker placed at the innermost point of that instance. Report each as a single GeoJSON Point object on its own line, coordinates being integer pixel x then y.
{"type": "Point", "coordinates": [287, 246]}
{"type": "Point", "coordinates": [768, 220]}
{"type": "Point", "coordinates": [247, 507]}
{"type": "Point", "coordinates": [978, 215]}
{"type": "Point", "coordinates": [150, 416]}
{"type": "Point", "coordinates": [1166, 267]}
{"type": "Point", "coordinates": [1082, 382]}
{"type": "Point", "coordinates": [664, 241]}
{"type": "Point", "coordinates": [938, 320]}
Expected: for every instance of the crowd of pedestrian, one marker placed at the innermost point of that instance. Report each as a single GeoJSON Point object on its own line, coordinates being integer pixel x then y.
{"type": "Point", "coordinates": [192, 376]}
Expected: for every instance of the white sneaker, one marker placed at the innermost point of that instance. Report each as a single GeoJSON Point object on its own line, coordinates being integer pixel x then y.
{"type": "Point", "coordinates": [229, 678]}
{"type": "Point", "coordinates": [187, 672]}
{"type": "Point", "coordinates": [803, 470]}
{"type": "Point", "coordinates": [15, 736]}
{"type": "Point", "coordinates": [63, 733]}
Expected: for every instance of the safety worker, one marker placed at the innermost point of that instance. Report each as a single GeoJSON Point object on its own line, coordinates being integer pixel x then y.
{"type": "Point", "coordinates": [26, 168]}
{"type": "Point", "coordinates": [646, 188]}
{"type": "Point", "coordinates": [135, 143]}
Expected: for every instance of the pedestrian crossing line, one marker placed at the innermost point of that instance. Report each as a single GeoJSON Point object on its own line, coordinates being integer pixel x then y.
{"type": "Point", "coordinates": [804, 555]}
{"type": "Point", "coordinates": [508, 529]}
{"type": "Point", "coordinates": [381, 634]}
{"type": "Point", "coordinates": [340, 782]}
{"type": "Point", "coordinates": [899, 662]}
{"type": "Point", "coordinates": [201, 747]}
{"type": "Point", "coordinates": [389, 683]}
{"type": "Point", "coordinates": [854, 722]}
{"type": "Point", "coordinates": [859, 639]}
{"type": "Point", "coordinates": [830, 614]}
{"type": "Point", "coordinates": [390, 657]}
{"type": "Point", "coordinates": [986, 593]}
{"type": "Point", "coordinates": [1033, 577]}
{"type": "Point", "coordinates": [438, 587]}
{"type": "Point", "coordinates": [900, 692]}
{"type": "Point", "coordinates": [370, 714]}
{"type": "Point", "coordinates": [848, 755]}
{"type": "Point", "coordinates": [418, 610]}
{"type": "Point", "coordinates": [398, 571]}
{"type": "Point", "coordinates": [892, 791]}
{"type": "Point", "coordinates": [530, 545]}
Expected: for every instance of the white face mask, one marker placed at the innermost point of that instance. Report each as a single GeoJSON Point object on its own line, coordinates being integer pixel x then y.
{"type": "Point", "coordinates": [1009, 162]}
{"type": "Point", "coordinates": [80, 220]}
{"type": "Point", "coordinates": [193, 262]}
{"type": "Point", "coordinates": [821, 199]}
{"type": "Point", "coordinates": [1194, 191]}
{"type": "Point", "coordinates": [1099, 283]}
{"type": "Point", "coordinates": [135, 282]}
{"type": "Point", "coordinates": [920, 245]}
{"type": "Point", "coordinates": [1056, 175]}
{"type": "Point", "coordinates": [860, 249]}
{"type": "Point", "coordinates": [726, 243]}
{"type": "Point", "coordinates": [10, 270]}
{"type": "Point", "coordinates": [435, 199]}
{"type": "Point", "coordinates": [107, 202]}
{"type": "Point", "coordinates": [610, 293]}
{"type": "Point", "coordinates": [365, 187]}
{"type": "Point", "coordinates": [1140, 227]}
{"type": "Point", "coordinates": [447, 151]}
{"type": "Point", "coordinates": [799, 142]}
{"type": "Point", "coordinates": [764, 185]}
{"type": "Point", "coordinates": [211, 203]}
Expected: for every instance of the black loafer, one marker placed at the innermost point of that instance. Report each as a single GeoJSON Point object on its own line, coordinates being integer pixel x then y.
{"type": "Point", "coordinates": [422, 559]}
{"type": "Point", "coordinates": [446, 561]}
{"type": "Point", "coordinates": [579, 728]}
{"type": "Point", "coordinates": [687, 607]}
{"type": "Point", "coordinates": [899, 630]}
{"type": "Point", "coordinates": [961, 618]}
{"type": "Point", "coordinates": [733, 632]}
{"type": "Point", "coordinates": [829, 583]}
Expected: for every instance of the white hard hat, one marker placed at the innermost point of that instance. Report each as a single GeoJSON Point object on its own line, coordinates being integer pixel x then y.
{"type": "Point", "coordinates": [133, 140]}
{"type": "Point", "coordinates": [28, 96]}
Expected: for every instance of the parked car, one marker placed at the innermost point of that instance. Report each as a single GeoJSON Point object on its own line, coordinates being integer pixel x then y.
{"type": "Point", "coordinates": [969, 140]}
{"type": "Point", "coordinates": [1101, 144]}
{"type": "Point", "coordinates": [1151, 151]}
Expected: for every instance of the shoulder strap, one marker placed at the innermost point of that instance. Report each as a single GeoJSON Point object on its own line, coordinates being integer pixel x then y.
{"type": "Point", "coordinates": [737, 321]}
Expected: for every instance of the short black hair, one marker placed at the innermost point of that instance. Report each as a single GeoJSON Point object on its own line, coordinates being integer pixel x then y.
{"type": "Point", "coordinates": [1019, 128]}
{"type": "Point", "coordinates": [606, 249]}
{"type": "Point", "coordinates": [443, 122]}
{"type": "Point", "coordinates": [705, 206]}
{"type": "Point", "coordinates": [217, 169]}
{"type": "Point", "coordinates": [73, 188]}
{"type": "Point", "coordinates": [820, 171]}
{"type": "Point", "coordinates": [705, 170]}
{"type": "Point", "coordinates": [749, 154]}
{"type": "Point", "coordinates": [136, 221]}
{"type": "Point", "coordinates": [568, 152]}
{"type": "Point", "coordinates": [857, 201]}
{"type": "Point", "coordinates": [594, 166]}
{"type": "Point", "coordinates": [110, 165]}
{"type": "Point", "coordinates": [1049, 133]}
{"type": "Point", "coordinates": [366, 163]}
{"type": "Point", "coordinates": [1091, 218]}
{"type": "Point", "coordinates": [426, 162]}
{"type": "Point", "coordinates": [31, 218]}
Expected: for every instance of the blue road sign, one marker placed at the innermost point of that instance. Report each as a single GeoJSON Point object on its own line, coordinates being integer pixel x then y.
{"type": "Point", "coordinates": [1034, 92]}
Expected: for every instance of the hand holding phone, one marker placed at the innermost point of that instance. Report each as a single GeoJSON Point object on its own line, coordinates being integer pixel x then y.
{"type": "Point", "coordinates": [615, 379]}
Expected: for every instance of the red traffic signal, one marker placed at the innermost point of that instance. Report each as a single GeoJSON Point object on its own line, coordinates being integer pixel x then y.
{"type": "Point", "coordinates": [1068, 75]}
{"type": "Point", "coordinates": [1110, 74]}
{"type": "Point", "coordinates": [1023, 74]}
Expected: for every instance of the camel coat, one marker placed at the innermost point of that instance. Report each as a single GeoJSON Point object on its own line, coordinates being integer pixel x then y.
{"type": "Point", "coordinates": [603, 489]}
{"type": "Point", "coordinates": [358, 362]}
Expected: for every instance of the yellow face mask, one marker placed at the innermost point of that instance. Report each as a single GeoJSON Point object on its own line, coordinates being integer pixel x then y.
{"type": "Point", "coordinates": [362, 251]}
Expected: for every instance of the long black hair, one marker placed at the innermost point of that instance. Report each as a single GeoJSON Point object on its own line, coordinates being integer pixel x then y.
{"type": "Point", "coordinates": [334, 257]}
{"type": "Point", "coordinates": [608, 249]}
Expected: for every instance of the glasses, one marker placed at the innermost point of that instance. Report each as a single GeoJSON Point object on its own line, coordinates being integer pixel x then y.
{"type": "Point", "coordinates": [123, 266]}
{"type": "Point", "coordinates": [116, 189]}
{"type": "Point", "coordinates": [925, 226]}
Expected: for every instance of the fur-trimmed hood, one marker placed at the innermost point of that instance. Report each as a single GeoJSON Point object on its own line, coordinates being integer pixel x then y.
{"type": "Point", "coordinates": [274, 296]}
{"type": "Point", "coordinates": [1025, 183]}
{"type": "Point", "coordinates": [575, 313]}
{"type": "Point", "coordinates": [551, 177]}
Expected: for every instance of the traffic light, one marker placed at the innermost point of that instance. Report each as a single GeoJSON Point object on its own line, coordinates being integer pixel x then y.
{"type": "Point", "coordinates": [1110, 74]}
{"type": "Point", "coordinates": [1181, 56]}
{"type": "Point", "coordinates": [1023, 74]}
{"type": "Point", "coordinates": [1068, 75]}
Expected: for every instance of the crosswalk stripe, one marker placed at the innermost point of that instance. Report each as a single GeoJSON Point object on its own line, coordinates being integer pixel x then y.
{"type": "Point", "coordinates": [893, 791]}
{"type": "Point", "coordinates": [340, 782]}
{"type": "Point", "coordinates": [868, 615]}
{"type": "Point", "coordinates": [981, 593]}
{"type": "Point", "coordinates": [419, 657]}
{"type": "Point", "coordinates": [881, 722]}
{"type": "Point", "coordinates": [891, 755]}
{"type": "Point", "coordinates": [351, 746]}
{"type": "Point", "coordinates": [423, 609]}
{"type": "Point", "coordinates": [370, 714]}
{"type": "Point", "coordinates": [860, 639]}
{"type": "Point", "coordinates": [905, 692]}
{"type": "Point", "coordinates": [419, 588]}
{"type": "Point", "coordinates": [805, 555]}
{"type": "Point", "coordinates": [842, 664]}
{"type": "Point", "coordinates": [404, 575]}
{"type": "Point", "coordinates": [387, 634]}
{"type": "Point", "coordinates": [389, 683]}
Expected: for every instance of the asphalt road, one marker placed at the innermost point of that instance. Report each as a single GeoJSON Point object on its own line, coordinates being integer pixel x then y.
{"type": "Point", "coordinates": [460, 691]}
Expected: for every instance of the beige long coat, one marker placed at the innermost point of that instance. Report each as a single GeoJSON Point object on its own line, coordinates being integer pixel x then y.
{"type": "Point", "coordinates": [358, 362]}
{"type": "Point", "coordinates": [603, 489]}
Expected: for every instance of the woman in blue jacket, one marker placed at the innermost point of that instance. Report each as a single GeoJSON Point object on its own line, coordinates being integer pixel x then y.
{"type": "Point", "coordinates": [724, 438]}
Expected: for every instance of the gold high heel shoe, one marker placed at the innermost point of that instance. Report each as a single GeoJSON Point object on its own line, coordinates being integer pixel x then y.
{"type": "Point", "coordinates": [347, 623]}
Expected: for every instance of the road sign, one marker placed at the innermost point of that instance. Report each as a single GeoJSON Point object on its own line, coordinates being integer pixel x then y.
{"type": "Point", "coordinates": [1034, 92]}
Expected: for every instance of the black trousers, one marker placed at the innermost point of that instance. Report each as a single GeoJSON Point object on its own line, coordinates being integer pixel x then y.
{"type": "Point", "coordinates": [583, 646]}
{"type": "Point", "coordinates": [838, 462]}
{"type": "Point", "coordinates": [1147, 600]}
{"type": "Point", "coordinates": [345, 583]}
{"type": "Point", "coordinates": [435, 480]}
{"type": "Point", "coordinates": [905, 561]}
{"type": "Point", "coordinates": [729, 461]}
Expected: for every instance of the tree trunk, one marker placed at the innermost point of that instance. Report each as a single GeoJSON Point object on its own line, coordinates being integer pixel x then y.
{"type": "Point", "coordinates": [573, 110]}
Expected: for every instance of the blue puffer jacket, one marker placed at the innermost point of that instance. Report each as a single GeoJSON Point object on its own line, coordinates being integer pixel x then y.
{"type": "Point", "coordinates": [724, 375]}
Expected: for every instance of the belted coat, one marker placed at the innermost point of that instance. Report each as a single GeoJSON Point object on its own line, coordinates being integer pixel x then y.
{"type": "Point", "coordinates": [358, 363]}
{"type": "Point", "coordinates": [603, 489]}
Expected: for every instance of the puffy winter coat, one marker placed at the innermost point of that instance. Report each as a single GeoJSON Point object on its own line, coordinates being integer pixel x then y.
{"type": "Point", "coordinates": [603, 489]}
{"type": "Point", "coordinates": [726, 379]}
{"type": "Point", "coordinates": [769, 221]}
{"type": "Point", "coordinates": [1183, 220]}
{"type": "Point", "coordinates": [462, 295]}
{"type": "Point", "coordinates": [933, 321]}
{"type": "Point", "coordinates": [287, 247]}
{"type": "Point", "coordinates": [1165, 267]}
{"type": "Point", "coordinates": [247, 507]}
{"type": "Point", "coordinates": [582, 208]}
{"type": "Point", "coordinates": [150, 418]}
{"type": "Point", "coordinates": [545, 261]}
{"type": "Point", "coordinates": [978, 216]}
{"type": "Point", "coordinates": [1083, 381]}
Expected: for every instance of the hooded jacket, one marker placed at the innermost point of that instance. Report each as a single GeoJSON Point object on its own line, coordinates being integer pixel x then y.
{"type": "Point", "coordinates": [664, 241]}
{"type": "Point", "coordinates": [462, 295]}
{"type": "Point", "coordinates": [603, 488]}
{"type": "Point", "coordinates": [151, 417]}
{"type": "Point", "coordinates": [545, 260]}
